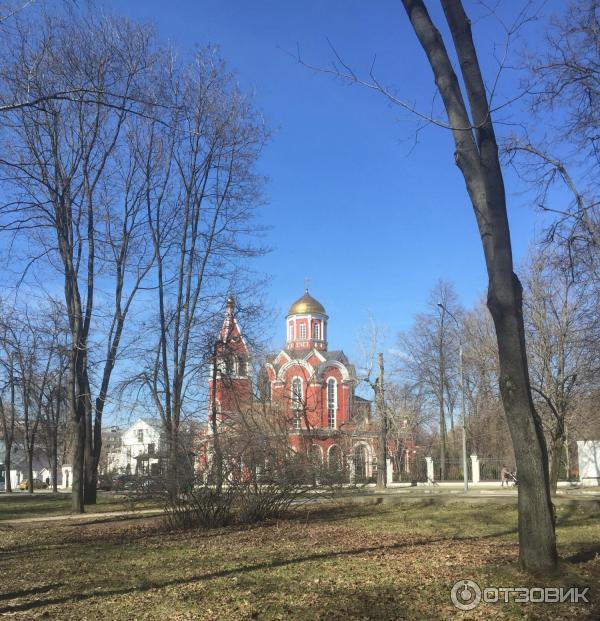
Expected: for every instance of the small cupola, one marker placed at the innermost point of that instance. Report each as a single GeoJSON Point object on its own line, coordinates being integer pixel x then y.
{"type": "Point", "coordinates": [306, 323]}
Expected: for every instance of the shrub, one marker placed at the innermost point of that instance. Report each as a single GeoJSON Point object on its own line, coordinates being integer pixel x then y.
{"type": "Point", "coordinates": [201, 506]}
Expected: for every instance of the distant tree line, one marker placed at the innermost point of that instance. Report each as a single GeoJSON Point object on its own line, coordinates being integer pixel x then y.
{"type": "Point", "coordinates": [562, 332]}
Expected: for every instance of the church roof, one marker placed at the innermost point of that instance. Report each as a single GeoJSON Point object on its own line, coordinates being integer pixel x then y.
{"type": "Point", "coordinates": [232, 339]}
{"type": "Point", "coordinates": [299, 354]}
{"type": "Point", "coordinates": [338, 355]}
{"type": "Point", "coordinates": [294, 354]}
{"type": "Point", "coordinates": [306, 304]}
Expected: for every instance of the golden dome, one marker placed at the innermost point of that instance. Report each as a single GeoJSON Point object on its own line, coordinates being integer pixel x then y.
{"type": "Point", "coordinates": [306, 304]}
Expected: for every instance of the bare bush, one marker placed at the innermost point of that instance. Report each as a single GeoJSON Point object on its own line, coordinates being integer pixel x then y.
{"type": "Point", "coordinates": [202, 506]}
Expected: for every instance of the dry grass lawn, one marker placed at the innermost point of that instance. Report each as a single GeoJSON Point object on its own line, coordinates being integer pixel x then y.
{"type": "Point", "coordinates": [339, 562]}
{"type": "Point", "coordinates": [42, 504]}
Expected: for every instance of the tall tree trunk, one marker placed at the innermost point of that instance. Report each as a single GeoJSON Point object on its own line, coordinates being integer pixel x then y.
{"type": "Point", "coordinates": [567, 453]}
{"type": "Point", "coordinates": [94, 434]}
{"type": "Point", "coordinates": [382, 456]}
{"type": "Point", "coordinates": [77, 484]}
{"type": "Point", "coordinates": [29, 471]}
{"type": "Point", "coordinates": [442, 411]}
{"type": "Point", "coordinates": [85, 436]}
{"type": "Point", "coordinates": [173, 463]}
{"type": "Point", "coordinates": [217, 465]}
{"type": "Point", "coordinates": [7, 466]}
{"type": "Point", "coordinates": [55, 460]}
{"type": "Point", "coordinates": [556, 450]}
{"type": "Point", "coordinates": [442, 441]}
{"type": "Point", "coordinates": [536, 515]}
{"type": "Point", "coordinates": [90, 463]}
{"type": "Point", "coordinates": [476, 154]}
{"type": "Point", "coordinates": [78, 414]}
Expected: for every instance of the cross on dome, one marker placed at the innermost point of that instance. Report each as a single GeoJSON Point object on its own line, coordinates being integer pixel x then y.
{"type": "Point", "coordinates": [306, 304]}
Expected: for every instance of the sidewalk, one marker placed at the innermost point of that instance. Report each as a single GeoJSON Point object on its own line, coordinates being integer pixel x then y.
{"type": "Point", "coordinates": [75, 517]}
{"type": "Point", "coordinates": [395, 494]}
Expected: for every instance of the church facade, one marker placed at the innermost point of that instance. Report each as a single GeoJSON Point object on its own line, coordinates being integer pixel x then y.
{"type": "Point", "coordinates": [312, 387]}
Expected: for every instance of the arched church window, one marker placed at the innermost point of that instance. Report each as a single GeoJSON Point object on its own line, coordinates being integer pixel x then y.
{"type": "Point", "coordinates": [331, 402]}
{"type": "Point", "coordinates": [242, 366]}
{"type": "Point", "coordinates": [291, 332]}
{"type": "Point", "coordinates": [335, 461]}
{"type": "Point", "coordinates": [316, 332]}
{"type": "Point", "coordinates": [296, 402]}
{"type": "Point", "coordinates": [228, 365]}
{"type": "Point", "coordinates": [316, 455]}
{"type": "Point", "coordinates": [302, 328]}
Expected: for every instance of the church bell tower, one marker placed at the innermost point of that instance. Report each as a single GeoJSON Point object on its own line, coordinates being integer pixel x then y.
{"type": "Point", "coordinates": [306, 324]}
{"type": "Point", "coordinates": [230, 382]}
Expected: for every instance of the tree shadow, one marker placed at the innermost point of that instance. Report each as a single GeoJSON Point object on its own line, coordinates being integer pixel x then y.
{"type": "Point", "coordinates": [584, 555]}
{"type": "Point", "coordinates": [128, 517]}
{"type": "Point", "coordinates": [273, 564]}
{"type": "Point", "coordinates": [582, 512]}
{"type": "Point", "coordinates": [32, 591]}
{"type": "Point", "coordinates": [323, 513]}
{"type": "Point", "coordinates": [383, 602]}
{"type": "Point", "coordinates": [365, 606]}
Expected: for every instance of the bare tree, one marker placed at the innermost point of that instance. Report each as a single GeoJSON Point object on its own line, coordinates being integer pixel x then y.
{"type": "Point", "coordinates": [200, 217]}
{"type": "Point", "coordinates": [32, 356]}
{"type": "Point", "coordinates": [53, 401]}
{"type": "Point", "coordinates": [563, 87]}
{"type": "Point", "coordinates": [372, 374]}
{"type": "Point", "coordinates": [8, 388]}
{"type": "Point", "coordinates": [565, 77]}
{"type": "Point", "coordinates": [20, 23]}
{"type": "Point", "coordinates": [408, 422]}
{"type": "Point", "coordinates": [488, 433]}
{"type": "Point", "coordinates": [429, 359]}
{"type": "Point", "coordinates": [468, 105]}
{"type": "Point", "coordinates": [25, 352]}
{"type": "Point", "coordinates": [230, 369]}
{"type": "Point", "coordinates": [561, 329]}
{"type": "Point", "coordinates": [76, 194]}
{"type": "Point", "coordinates": [476, 155]}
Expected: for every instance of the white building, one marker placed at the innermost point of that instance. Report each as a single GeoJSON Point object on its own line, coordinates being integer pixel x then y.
{"type": "Point", "coordinates": [19, 468]}
{"type": "Point", "coordinates": [140, 449]}
{"type": "Point", "coordinates": [589, 462]}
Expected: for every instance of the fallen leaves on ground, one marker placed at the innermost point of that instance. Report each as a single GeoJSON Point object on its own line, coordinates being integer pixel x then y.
{"type": "Point", "coordinates": [339, 562]}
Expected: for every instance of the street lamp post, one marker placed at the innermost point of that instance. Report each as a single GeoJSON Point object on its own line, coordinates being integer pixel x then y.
{"type": "Point", "coordinates": [462, 400]}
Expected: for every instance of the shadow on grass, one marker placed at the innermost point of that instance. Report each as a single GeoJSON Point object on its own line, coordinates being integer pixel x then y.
{"type": "Point", "coordinates": [581, 512]}
{"type": "Point", "coordinates": [274, 564]}
{"type": "Point", "coordinates": [25, 506]}
{"type": "Point", "coordinates": [340, 509]}
{"type": "Point", "coordinates": [70, 533]}
{"type": "Point", "coordinates": [584, 555]}
{"type": "Point", "coordinates": [382, 603]}
{"type": "Point", "coordinates": [333, 512]}
{"type": "Point", "coordinates": [23, 497]}
{"type": "Point", "coordinates": [31, 591]}
{"type": "Point", "coordinates": [368, 604]}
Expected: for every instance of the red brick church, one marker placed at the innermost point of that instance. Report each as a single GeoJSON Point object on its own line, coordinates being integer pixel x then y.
{"type": "Point", "coordinates": [312, 386]}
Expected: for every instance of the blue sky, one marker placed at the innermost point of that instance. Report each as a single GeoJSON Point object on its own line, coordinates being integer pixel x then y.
{"type": "Point", "coordinates": [370, 218]}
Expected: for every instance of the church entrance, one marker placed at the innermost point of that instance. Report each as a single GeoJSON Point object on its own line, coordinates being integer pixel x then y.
{"type": "Point", "coordinates": [361, 464]}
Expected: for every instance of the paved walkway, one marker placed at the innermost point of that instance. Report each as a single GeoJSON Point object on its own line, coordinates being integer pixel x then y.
{"type": "Point", "coordinates": [78, 517]}
{"type": "Point", "coordinates": [442, 494]}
